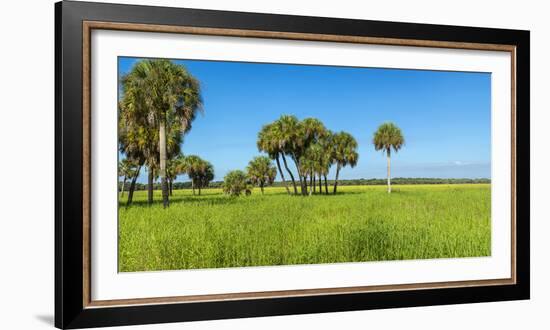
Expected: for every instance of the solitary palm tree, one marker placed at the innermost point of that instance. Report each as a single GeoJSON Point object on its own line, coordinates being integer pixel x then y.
{"type": "Point", "coordinates": [344, 153]}
{"type": "Point", "coordinates": [388, 137]}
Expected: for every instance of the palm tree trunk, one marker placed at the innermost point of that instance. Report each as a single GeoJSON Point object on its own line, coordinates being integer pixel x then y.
{"type": "Point", "coordinates": [132, 187]}
{"type": "Point", "coordinates": [199, 190]}
{"type": "Point", "coordinates": [122, 188]}
{"type": "Point", "coordinates": [291, 175]}
{"type": "Point", "coordinates": [300, 176]}
{"type": "Point", "coordinates": [150, 186]}
{"type": "Point", "coordinates": [314, 185]}
{"type": "Point", "coordinates": [162, 147]}
{"type": "Point", "coordinates": [262, 188]}
{"type": "Point", "coordinates": [281, 173]}
{"type": "Point", "coordinates": [311, 184]}
{"type": "Point", "coordinates": [326, 185]}
{"type": "Point", "coordinates": [193, 186]}
{"type": "Point", "coordinates": [389, 171]}
{"type": "Point", "coordinates": [320, 185]}
{"type": "Point", "coordinates": [170, 186]}
{"type": "Point", "coordinates": [336, 179]}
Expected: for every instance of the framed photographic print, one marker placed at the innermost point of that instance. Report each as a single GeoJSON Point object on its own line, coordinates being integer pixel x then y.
{"type": "Point", "coordinates": [216, 164]}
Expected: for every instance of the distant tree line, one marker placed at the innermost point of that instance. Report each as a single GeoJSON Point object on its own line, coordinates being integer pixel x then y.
{"type": "Point", "coordinates": [350, 182]}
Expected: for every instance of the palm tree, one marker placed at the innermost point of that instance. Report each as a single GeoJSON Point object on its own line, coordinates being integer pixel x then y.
{"type": "Point", "coordinates": [294, 138]}
{"type": "Point", "coordinates": [235, 182]}
{"type": "Point", "coordinates": [344, 153]}
{"type": "Point", "coordinates": [287, 128]}
{"type": "Point", "coordinates": [135, 136]}
{"type": "Point", "coordinates": [126, 169]}
{"type": "Point", "coordinates": [268, 143]}
{"type": "Point", "coordinates": [138, 141]}
{"type": "Point", "coordinates": [205, 174]}
{"type": "Point", "coordinates": [123, 168]}
{"type": "Point", "coordinates": [326, 160]}
{"type": "Point", "coordinates": [387, 137]}
{"type": "Point", "coordinates": [288, 136]}
{"type": "Point", "coordinates": [133, 181]}
{"type": "Point", "coordinates": [307, 168]}
{"type": "Point", "coordinates": [261, 171]}
{"type": "Point", "coordinates": [199, 171]}
{"type": "Point", "coordinates": [169, 95]}
{"type": "Point", "coordinates": [192, 164]}
{"type": "Point", "coordinates": [310, 164]}
{"type": "Point", "coordinates": [173, 169]}
{"type": "Point", "coordinates": [311, 130]}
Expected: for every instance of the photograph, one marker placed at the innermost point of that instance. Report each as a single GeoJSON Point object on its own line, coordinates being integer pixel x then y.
{"type": "Point", "coordinates": [241, 164]}
{"type": "Point", "coordinates": [226, 164]}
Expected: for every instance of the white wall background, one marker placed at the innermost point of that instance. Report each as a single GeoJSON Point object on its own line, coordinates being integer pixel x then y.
{"type": "Point", "coordinates": [27, 163]}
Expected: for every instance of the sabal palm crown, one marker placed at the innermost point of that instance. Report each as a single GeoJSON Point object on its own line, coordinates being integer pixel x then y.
{"type": "Point", "coordinates": [261, 171]}
{"type": "Point", "coordinates": [288, 128]}
{"type": "Point", "coordinates": [344, 153]}
{"type": "Point", "coordinates": [126, 168]}
{"type": "Point", "coordinates": [345, 149]}
{"type": "Point", "coordinates": [388, 136]}
{"type": "Point", "coordinates": [268, 141]}
{"type": "Point", "coordinates": [312, 130]}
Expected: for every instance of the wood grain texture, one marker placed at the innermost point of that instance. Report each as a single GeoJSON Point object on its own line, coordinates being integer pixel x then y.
{"type": "Point", "coordinates": [86, 165]}
{"type": "Point", "coordinates": [297, 293]}
{"type": "Point", "coordinates": [292, 36]}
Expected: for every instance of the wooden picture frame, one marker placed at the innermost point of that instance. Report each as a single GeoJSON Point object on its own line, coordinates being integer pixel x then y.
{"type": "Point", "coordinates": [74, 307]}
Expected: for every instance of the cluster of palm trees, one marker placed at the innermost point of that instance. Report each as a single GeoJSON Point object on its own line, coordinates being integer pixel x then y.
{"type": "Point", "coordinates": [260, 172]}
{"type": "Point", "coordinates": [160, 101]}
{"type": "Point", "coordinates": [199, 171]}
{"type": "Point", "coordinates": [312, 148]}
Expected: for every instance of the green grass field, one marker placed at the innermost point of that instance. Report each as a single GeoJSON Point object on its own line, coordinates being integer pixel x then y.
{"type": "Point", "coordinates": [360, 223]}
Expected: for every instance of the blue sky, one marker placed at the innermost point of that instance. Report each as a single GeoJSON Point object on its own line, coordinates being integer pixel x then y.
{"type": "Point", "coordinates": [445, 116]}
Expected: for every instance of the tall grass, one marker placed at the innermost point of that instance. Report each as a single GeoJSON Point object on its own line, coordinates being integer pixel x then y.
{"type": "Point", "coordinates": [360, 223]}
